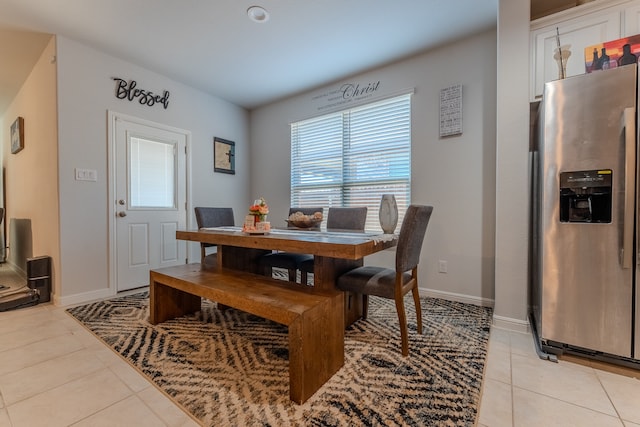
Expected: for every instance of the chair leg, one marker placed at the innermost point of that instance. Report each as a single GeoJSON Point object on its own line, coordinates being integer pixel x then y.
{"type": "Point", "coordinates": [402, 318]}
{"type": "Point", "coordinates": [303, 277]}
{"type": "Point", "coordinates": [416, 300]}
{"type": "Point", "coordinates": [292, 275]}
{"type": "Point", "coordinates": [267, 271]}
{"type": "Point", "coordinates": [202, 255]}
{"type": "Point", "coordinates": [365, 306]}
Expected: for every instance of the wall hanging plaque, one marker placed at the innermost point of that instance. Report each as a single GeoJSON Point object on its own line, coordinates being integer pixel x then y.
{"type": "Point", "coordinates": [451, 111]}
{"type": "Point", "coordinates": [17, 135]}
{"type": "Point", "coordinates": [224, 153]}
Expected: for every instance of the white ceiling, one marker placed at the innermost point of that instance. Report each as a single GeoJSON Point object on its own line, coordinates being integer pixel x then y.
{"type": "Point", "coordinates": [213, 46]}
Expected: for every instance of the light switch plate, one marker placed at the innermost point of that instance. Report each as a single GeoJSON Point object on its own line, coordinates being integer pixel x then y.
{"type": "Point", "coordinates": [86, 174]}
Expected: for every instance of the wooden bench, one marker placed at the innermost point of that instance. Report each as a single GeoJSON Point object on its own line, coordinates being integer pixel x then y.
{"type": "Point", "coordinates": [315, 319]}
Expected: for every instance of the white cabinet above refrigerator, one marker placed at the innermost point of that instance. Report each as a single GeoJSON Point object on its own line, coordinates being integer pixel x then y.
{"type": "Point", "coordinates": [579, 27]}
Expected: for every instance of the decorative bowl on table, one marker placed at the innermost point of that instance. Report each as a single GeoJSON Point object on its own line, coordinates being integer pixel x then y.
{"type": "Point", "coordinates": [299, 220]}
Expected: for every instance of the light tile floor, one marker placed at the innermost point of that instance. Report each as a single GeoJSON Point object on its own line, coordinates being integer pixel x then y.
{"type": "Point", "coordinates": [522, 390]}
{"type": "Point", "coordinates": [53, 372]}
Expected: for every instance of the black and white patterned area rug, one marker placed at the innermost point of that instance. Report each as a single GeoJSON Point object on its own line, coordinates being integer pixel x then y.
{"type": "Point", "coordinates": [229, 368]}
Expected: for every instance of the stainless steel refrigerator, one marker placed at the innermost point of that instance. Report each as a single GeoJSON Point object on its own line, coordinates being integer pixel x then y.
{"type": "Point", "coordinates": [585, 253]}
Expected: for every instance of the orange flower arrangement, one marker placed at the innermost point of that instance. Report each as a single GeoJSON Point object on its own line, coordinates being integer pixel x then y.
{"type": "Point", "coordinates": [256, 221]}
{"type": "Point", "coordinates": [259, 209]}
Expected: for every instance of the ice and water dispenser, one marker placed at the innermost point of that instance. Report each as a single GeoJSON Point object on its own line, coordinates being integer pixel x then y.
{"type": "Point", "coordinates": [585, 196]}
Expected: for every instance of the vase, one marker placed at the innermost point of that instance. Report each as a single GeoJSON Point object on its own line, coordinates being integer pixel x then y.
{"type": "Point", "coordinates": [561, 55]}
{"type": "Point", "coordinates": [388, 213]}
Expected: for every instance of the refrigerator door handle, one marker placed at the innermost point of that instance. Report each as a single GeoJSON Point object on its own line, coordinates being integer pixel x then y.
{"type": "Point", "coordinates": [628, 126]}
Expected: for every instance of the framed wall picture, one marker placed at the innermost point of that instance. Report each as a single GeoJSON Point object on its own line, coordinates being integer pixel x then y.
{"type": "Point", "coordinates": [17, 135]}
{"type": "Point", "coordinates": [611, 54]}
{"type": "Point", "coordinates": [224, 153]}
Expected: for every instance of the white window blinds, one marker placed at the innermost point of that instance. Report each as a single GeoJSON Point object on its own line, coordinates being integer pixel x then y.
{"type": "Point", "coordinates": [152, 173]}
{"type": "Point", "coordinates": [351, 158]}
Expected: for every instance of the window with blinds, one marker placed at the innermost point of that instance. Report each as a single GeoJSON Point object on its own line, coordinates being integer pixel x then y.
{"type": "Point", "coordinates": [352, 157]}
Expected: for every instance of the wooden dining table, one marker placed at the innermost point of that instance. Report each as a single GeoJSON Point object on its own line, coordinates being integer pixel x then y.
{"type": "Point", "coordinates": [335, 252]}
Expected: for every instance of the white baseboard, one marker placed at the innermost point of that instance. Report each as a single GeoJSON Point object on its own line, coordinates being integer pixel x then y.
{"type": "Point", "coordinates": [515, 325]}
{"type": "Point", "coordinates": [450, 296]}
{"type": "Point", "coordinates": [511, 324]}
{"type": "Point", "coordinates": [83, 298]}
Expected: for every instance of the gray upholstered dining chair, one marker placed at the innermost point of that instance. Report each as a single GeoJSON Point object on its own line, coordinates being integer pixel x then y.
{"type": "Point", "coordinates": [349, 219]}
{"type": "Point", "coordinates": [212, 217]}
{"type": "Point", "coordinates": [395, 283]}
{"type": "Point", "coordinates": [287, 260]}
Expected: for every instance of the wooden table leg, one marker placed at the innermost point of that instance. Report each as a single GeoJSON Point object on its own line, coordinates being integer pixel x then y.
{"type": "Point", "coordinates": [245, 259]}
{"type": "Point", "coordinates": [326, 271]}
{"type": "Point", "coordinates": [237, 258]}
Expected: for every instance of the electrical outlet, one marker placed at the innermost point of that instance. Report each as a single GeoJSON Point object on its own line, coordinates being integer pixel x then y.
{"type": "Point", "coordinates": [442, 266]}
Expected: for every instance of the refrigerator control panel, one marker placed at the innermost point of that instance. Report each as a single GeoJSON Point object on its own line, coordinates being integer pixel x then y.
{"type": "Point", "coordinates": [585, 196]}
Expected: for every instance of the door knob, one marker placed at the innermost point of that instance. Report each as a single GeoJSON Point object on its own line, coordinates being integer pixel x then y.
{"type": "Point", "coordinates": [121, 202]}
{"type": "Point", "coordinates": [122, 214]}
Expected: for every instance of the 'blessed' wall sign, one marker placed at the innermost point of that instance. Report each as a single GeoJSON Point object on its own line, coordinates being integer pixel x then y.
{"type": "Point", "coordinates": [128, 90]}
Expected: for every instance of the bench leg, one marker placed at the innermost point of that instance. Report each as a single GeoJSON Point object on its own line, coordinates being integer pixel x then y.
{"type": "Point", "coordinates": [168, 303]}
{"type": "Point", "coordinates": [316, 348]}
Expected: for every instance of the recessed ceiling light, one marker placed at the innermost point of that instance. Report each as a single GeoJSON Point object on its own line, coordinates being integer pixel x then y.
{"type": "Point", "coordinates": [258, 14]}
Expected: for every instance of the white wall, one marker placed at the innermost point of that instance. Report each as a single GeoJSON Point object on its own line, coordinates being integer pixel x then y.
{"type": "Point", "coordinates": [512, 189]}
{"type": "Point", "coordinates": [86, 92]}
{"type": "Point", "coordinates": [456, 175]}
{"type": "Point", "coordinates": [31, 174]}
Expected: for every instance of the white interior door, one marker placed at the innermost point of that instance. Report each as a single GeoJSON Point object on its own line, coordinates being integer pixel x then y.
{"type": "Point", "coordinates": [149, 199]}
